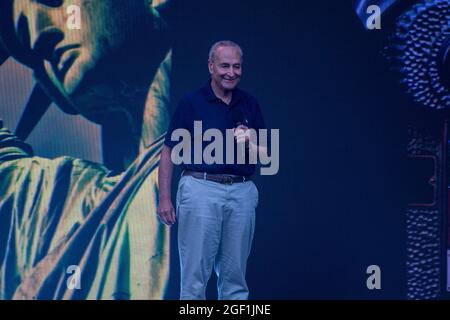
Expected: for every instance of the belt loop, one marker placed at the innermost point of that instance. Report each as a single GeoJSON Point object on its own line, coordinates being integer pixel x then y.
{"type": "Point", "coordinates": [204, 175]}
{"type": "Point", "coordinates": [243, 179]}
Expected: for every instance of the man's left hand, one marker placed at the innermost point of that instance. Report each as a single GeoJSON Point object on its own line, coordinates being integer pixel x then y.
{"type": "Point", "coordinates": [242, 134]}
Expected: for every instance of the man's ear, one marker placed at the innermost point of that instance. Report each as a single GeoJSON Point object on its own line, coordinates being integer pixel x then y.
{"type": "Point", "coordinates": [210, 66]}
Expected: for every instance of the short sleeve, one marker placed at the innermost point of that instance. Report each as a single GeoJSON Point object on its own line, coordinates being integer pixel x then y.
{"type": "Point", "coordinates": [178, 121]}
{"type": "Point", "coordinates": [260, 124]}
{"type": "Point", "coordinates": [259, 119]}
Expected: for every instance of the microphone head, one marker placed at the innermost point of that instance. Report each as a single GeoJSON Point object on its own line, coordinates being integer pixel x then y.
{"type": "Point", "coordinates": [238, 117]}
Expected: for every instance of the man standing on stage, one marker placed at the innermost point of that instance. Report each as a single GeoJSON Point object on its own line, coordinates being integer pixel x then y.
{"type": "Point", "coordinates": [215, 202]}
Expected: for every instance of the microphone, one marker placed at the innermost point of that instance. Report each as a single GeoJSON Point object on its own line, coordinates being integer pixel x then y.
{"type": "Point", "coordinates": [239, 119]}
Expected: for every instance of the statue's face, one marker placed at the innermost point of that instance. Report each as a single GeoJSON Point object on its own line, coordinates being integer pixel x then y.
{"type": "Point", "coordinates": [76, 60]}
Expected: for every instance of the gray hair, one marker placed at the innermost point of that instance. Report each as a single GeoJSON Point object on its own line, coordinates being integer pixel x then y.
{"type": "Point", "coordinates": [224, 43]}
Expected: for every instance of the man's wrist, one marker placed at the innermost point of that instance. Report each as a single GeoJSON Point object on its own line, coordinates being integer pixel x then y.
{"type": "Point", "coordinates": [164, 198]}
{"type": "Point", "coordinates": [252, 146]}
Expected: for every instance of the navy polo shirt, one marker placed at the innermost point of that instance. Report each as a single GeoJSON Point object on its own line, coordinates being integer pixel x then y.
{"type": "Point", "coordinates": [203, 105]}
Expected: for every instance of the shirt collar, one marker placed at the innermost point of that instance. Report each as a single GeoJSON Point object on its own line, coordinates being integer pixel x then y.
{"type": "Point", "coordinates": [210, 96]}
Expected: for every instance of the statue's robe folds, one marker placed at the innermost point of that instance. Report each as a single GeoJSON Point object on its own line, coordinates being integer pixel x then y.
{"type": "Point", "coordinates": [66, 212]}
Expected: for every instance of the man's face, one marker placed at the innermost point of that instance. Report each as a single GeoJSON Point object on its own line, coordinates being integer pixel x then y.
{"type": "Point", "coordinates": [226, 68]}
{"type": "Point", "coordinates": [72, 57]}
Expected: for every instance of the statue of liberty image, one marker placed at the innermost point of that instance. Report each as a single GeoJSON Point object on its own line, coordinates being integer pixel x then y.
{"type": "Point", "coordinates": [64, 212]}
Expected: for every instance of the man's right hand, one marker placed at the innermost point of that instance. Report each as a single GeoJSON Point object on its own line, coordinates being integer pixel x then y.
{"type": "Point", "coordinates": [166, 212]}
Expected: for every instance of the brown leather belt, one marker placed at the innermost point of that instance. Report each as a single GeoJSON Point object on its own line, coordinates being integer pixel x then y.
{"type": "Point", "coordinates": [220, 178]}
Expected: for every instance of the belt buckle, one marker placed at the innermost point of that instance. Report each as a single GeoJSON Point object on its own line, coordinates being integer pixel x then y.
{"type": "Point", "coordinates": [228, 180]}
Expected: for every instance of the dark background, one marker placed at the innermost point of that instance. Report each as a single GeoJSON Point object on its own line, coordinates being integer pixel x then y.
{"type": "Point", "coordinates": [337, 204]}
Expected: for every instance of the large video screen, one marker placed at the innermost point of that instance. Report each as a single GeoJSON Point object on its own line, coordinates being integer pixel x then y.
{"type": "Point", "coordinates": [347, 200]}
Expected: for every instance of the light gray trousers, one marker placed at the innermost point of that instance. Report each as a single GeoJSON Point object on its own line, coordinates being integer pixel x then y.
{"type": "Point", "coordinates": [216, 223]}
